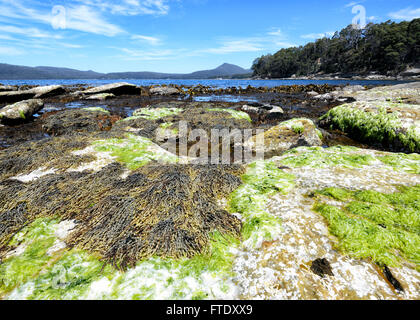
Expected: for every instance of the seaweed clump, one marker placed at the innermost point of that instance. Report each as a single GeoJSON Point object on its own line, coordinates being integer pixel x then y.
{"type": "Point", "coordinates": [166, 211]}
{"type": "Point", "coordinates": [70, 122]}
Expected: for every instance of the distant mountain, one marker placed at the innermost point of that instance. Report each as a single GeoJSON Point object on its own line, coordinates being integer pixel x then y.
{"type": "Point", "coordinates": [225, 70]}
{"type": "Point", "coordinates": [13, 72]}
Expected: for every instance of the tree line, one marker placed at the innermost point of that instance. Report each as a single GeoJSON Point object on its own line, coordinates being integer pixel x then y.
{"type": "Point", "coordinates": [387, 48]}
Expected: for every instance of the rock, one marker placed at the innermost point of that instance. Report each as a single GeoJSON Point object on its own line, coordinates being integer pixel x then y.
{"type": "Point", "coordinates": [101, 96]}
{"type": "Point", "coordinates": [325, 97]}
{"type": "Point", "coordinates": [20, 111]}
{"type": "Point", "coordinates": [354, 88]}
{"type": "Point", "coordinates": [120, 88]}
{"type": "Point", "coordinates": [47, 91]}
{"type": "Point", "coordinates": [251, 109]}
{"type": "Point", "coordinates": [285, 136]}
{"type": "Point", "coordinates": [69, 122]}
{"type": "Point", "coordinates": [411, 72]}
{"type": "Point", "coordinates": [7, 88]}
{"type": "Point", "coordinates": [312, 93]}
{"type": "Point", "coordinates": [269, 111]}
{"type": "Point", "coordinates": [164, 91]}
{"type": "Point", "coordinates": [15, 96]}
{"type": "Point", "coordinates": [322, 268]}
{"type": "Point", "coordinates": [390, 125]}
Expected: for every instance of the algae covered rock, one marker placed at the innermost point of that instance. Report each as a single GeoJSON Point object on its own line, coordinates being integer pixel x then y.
{"type": "Point", "coordinates": [20, 111]}
{"type": "Point", "coordinates": [285, 136]}
{"type": "Point", "coordinates": [393, 126]}
{"type": "Point", "coordinates": [78, 120]}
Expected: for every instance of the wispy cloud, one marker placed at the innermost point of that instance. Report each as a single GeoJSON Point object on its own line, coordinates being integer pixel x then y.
{"type": "Point", "coordinates": [149, 55]}
{"type": "Point", "coordinates": [314, 36]}
{"type": "Point", "coordinates": [29, 32]}
{"type": "Point", "coordinates": [84, 15]}
{"type": "Point", "coordinates": [9, 51]}
{"type": "Point", "coordinates": [131, 7]}
{"type": "Point", "coordinates": [407, 14]}
{"type": "Point", "coordinates": [151, 40]}
{"type": "Point", "coordinates": [353, 3]}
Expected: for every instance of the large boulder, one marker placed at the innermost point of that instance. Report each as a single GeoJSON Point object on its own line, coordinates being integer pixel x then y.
{"type": "Point", "coordinates": [120, 88]}
{"type": "Point", "coordinates": [164, 91]}
{"type": "Point", "coordinates": [7, 88]}
{"type": "Point", "coordinates": [285, 136]}
{"type": "Point", "coordinates": [15, 96]}
{"type": "Point", "coordinates": [70, 122]}
{"type": "Point", "coordinates": [47, 91]}
{"type": "Point", "coordinates": [384, 124]}
{"type": "Point", "coordinates": [20, 111]}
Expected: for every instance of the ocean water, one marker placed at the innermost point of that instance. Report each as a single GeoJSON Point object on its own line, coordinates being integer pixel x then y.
{"type": "Point", "coordinates": [212, 83]}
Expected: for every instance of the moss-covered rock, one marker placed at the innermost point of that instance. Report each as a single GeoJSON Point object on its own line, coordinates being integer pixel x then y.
{"type": "Point", "coordinates": [394, 126]}
{"type": "Point", "coordinates": [285, 136]}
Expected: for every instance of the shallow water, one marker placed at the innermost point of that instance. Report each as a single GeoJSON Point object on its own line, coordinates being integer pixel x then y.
{"type": "Point", "coordinates": [213, 83]}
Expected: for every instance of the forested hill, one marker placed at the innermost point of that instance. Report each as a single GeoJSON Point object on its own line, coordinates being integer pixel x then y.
{"type": "Point", "coordinates": [388, 48]}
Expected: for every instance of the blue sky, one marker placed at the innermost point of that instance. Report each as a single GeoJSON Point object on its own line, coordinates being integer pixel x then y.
{"type": "Point", "coordinates": [172, 35]}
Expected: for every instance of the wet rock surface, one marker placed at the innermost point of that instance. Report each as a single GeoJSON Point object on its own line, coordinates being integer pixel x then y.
{"type": "Point", "coordinates": [98, 201]}
{"type": "Point", "coordinates": [20, 111]}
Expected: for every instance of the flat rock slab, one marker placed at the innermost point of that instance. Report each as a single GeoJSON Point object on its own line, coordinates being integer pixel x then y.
{"type": "Point", "coordinates": [117, 89]}
{"type": "Point", "coordinates": [20, 111]}
{"type": "Point", "coordinates": [7, 88]}
{"type": "Point", "coordinates": [164, 91]}
{"type": "Point", "coordinates": [101, 96]}
{"type": "Point", "coordinates": [47, 91]}
{"type": "Point", "coordinates": [15, 96]}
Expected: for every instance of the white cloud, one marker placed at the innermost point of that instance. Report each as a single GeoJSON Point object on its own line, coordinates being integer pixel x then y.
{"type": "Point", "coordinates": [315, 36]}
{"type": "Point", "coordinates": [8, 51]}
{"type": "Point", "coordinates": [77, 17]}
{"type": "Point", "coordinates": [130, 7]}
{"type": "Point", "coordinates": [29, 32]}
{"type": "Point", "coordinates": [83, 18]}
{"type": "Point", "coordinates": [276, 33]}
{"type": "Point", "coordinates": [353, 3]}
{"type": "Point", "coordinates": [145, 55]}
{"type": "Point", "coordinates": [407, 14]}
{"type": "Point", "coordinates": [151, 40]}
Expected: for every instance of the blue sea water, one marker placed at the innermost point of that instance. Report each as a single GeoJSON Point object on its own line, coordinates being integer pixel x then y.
{"type": "Point", "coordinates": [212, 83]}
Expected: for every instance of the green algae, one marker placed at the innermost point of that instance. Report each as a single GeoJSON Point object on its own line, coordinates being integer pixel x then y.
{"type": "Point", "coordinates": [318, 157]}
{"type": "Point", "coordinates": [70, 277]}
{"type": "Point", "coordinates": [234, 114]}
{"type": "Point", "coordinates": [374, 225]}
{"type": "Point", "coordinates": [96, 109]}
{"type": "Point", "coordinates": [298, 128]}
{"type": "Point", "coordinates": [134, 151]}
{"type": "Point", "coordinates": [262, 180]}
{"type": "Point", "coordinates": [405, 162]}
{"type": "Point", "coordinates": [373, 127]}
{"type": "Point", "coordinates": [22, 114]}
{"type": "Point", "coordinates": [156, 113]}
{"type": "Point", "coordinates": [36, 239]}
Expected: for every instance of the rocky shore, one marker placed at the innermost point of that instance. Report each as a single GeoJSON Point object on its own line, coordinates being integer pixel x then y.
{"type": "Point", "coordinates": [100, 200]}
